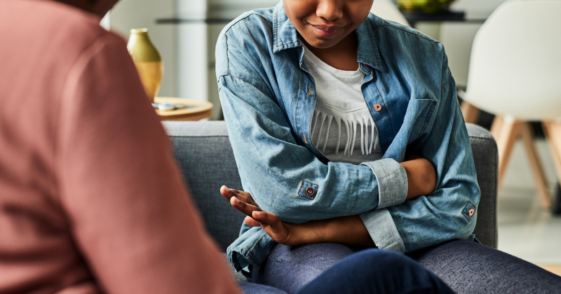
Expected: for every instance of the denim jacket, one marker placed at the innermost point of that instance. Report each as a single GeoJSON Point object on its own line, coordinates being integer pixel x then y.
{"type": "Point", "coordinates": [268, 97]}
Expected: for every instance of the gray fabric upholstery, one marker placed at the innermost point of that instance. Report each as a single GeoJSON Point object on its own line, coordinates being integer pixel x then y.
{"type": "Point", "coordinates": [207, 162]}
{"type": "Point", "coordinates": [205, 156]}
{"type": "Point", "coordinates": [486, 157]}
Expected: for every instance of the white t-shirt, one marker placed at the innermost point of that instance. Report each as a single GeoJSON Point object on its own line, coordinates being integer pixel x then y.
{"type": "Point", "coordinates": [342, 126]}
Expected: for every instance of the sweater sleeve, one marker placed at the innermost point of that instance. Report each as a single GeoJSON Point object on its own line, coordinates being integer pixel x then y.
{"type": "Point", "coordinates": [123, 194]}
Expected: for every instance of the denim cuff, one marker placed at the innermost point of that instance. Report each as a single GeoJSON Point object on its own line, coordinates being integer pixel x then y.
{"type": "Point", "coordinates": [251, 247]}
{"type": "Point", "coordinates": [382, 230]}
{"type": "Point", "coordinates": [392, 181]}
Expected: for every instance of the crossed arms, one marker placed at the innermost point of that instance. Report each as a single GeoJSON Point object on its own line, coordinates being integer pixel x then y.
{"type": "Point", "coordinates": [421, 180]}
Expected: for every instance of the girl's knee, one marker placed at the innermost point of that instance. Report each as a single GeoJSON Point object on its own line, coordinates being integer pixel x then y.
{"type": "Point", "coordinates": [327, 252]}
{"type": "Point", "coordinates": [385, 258]}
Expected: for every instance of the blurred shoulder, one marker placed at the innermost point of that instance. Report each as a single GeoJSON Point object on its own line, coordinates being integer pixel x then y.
{"type": "Point", "coordinates": [56, 24]}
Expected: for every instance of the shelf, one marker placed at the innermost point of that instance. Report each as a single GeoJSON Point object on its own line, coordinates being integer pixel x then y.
{"type": "Point", "coordinates": [191, 20]}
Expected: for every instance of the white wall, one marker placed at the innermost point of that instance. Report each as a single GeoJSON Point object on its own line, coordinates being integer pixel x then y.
{"type": "Point", "coordinates": [457, 37]}
{"type": "Point", "coordinates": [477, 9]}
{"type": "Point", "coordinates": [128, 14]}
{"type": "Point", "coordinates": [197, 41]}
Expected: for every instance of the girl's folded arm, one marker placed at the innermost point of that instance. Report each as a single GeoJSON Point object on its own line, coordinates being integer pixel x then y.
{"type": "Point", "coordinates": [450, 212]}
{"type": "Point", "coordinates": [284, 177]}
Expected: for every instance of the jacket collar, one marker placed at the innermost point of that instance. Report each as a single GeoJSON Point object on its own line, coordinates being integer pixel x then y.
{"type": "Point", "coordinates": [286, 37]}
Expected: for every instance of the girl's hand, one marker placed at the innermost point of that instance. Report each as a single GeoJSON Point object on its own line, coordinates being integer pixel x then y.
{"type": "Point", "coordinates": [346, 230]}
{"type": "Point", "coordinates": [280, 231]}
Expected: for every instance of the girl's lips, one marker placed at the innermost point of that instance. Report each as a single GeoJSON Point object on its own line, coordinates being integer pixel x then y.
{"type": "Point", "coordinates": [327, 31]}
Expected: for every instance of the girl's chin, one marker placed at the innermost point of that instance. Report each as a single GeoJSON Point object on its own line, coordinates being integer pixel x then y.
{"type": "Point", "coordinates": [322, 44]}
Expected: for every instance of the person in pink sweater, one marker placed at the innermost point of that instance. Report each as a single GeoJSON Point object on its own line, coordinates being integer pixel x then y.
{"type": "Point", "coordinates": [91, 199]}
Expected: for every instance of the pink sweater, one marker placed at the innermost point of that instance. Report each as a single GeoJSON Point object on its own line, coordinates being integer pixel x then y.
{"type": "Point", "coordinates": [91, 199]}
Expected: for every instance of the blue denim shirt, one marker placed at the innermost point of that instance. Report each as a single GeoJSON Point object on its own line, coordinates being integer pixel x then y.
{"type": "Point", "coordinates": [268, 98]}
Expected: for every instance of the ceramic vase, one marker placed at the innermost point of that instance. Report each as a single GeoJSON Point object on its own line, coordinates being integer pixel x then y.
{"type": "Point", "coordinates": [426, 6]}
{"type": "Point", "coordinates": [147, 60]}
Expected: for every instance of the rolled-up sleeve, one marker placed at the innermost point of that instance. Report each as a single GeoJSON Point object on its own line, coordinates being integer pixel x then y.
{"type": "Point", "coordinates": [392, 181]}
{"type": "Point", "coordinates": [382, 229]}
{"type": "Point", "coordinates": [392, 190]}
{"type": "Point", "coordinates": [450, 212]}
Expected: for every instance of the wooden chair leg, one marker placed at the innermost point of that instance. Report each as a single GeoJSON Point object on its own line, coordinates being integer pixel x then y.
{"type": "Point", "coordinates": [505, 134]}
{"type": "Point", "coordinates": [552, 132]}
{"type": "Point", "coordinates": [470, 112]}
{"type": "Point", "coordinates": [535, 164]}
{"type": "Point", "coordinates": [497, 126]}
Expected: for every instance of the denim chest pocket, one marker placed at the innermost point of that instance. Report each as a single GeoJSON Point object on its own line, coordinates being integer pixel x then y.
{"type": "Point", "coordinates": [419, 115]}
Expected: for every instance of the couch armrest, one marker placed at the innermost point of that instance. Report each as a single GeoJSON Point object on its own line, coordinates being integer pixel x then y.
{"type": "Point", "coordinates": [485, 155]}
{"type": "Point", "coordinates": [204, 154]}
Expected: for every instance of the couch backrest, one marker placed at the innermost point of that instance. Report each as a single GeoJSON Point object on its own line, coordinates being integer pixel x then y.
{"type": "Point", "coordinates": [206, 159]}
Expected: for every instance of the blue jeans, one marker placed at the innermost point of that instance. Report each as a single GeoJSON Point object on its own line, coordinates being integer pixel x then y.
{"type": "Point", "coordinates": [467, 267]}
{"type": "Point", "coordinates": [307, 270]}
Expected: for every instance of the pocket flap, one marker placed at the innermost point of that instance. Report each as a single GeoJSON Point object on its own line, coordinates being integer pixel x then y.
{"type": "Point", "coordinates": [308, 190]}
{"type": "Point", "coordinates": [469, 211]}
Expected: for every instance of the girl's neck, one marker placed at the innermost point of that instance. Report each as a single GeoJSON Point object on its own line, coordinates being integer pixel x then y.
{"type": "Point", "coordinates": [342, 56]}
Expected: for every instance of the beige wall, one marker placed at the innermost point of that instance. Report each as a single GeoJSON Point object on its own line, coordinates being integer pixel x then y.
{"type": "Point", "coordinates": [128, 14]}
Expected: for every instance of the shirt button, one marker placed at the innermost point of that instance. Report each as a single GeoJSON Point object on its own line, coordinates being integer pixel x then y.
{"type": "Point", "coordinates": [310, 191]}
{"type": "Point", "coordinates": [377, 107]}
{"type": "Point", "coordinates": [471, 212]}
{"type": "Point", "coordinates": [309, 92]}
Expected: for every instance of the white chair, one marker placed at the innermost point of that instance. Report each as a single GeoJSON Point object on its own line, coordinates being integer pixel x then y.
{"type": "Point", "coordinates": [387, 10]}
{"type": "Point", "coordinates": [457, 38]}
{"type": "Point", "coordinates": [515, 73]}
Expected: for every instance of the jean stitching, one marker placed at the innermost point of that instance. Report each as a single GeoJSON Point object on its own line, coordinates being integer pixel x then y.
{"type": "Point", "coordinates": [374, 46]}
{"type": "Point", "coordinates": [249, 254]}
{"type": "Point", "coordinates": [429, 116]}
{"type": "Point", "coordinates": [386, 107]}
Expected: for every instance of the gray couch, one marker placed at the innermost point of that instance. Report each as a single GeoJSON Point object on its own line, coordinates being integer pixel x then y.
{"type": "Point", "coordinates": [206, 159]}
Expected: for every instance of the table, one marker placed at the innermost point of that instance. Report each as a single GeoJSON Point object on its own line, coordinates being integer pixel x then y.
{"type": "Point", "coordinates": [196, 110]}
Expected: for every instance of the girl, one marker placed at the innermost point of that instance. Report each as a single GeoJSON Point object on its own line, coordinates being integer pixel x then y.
{"type": "Point", "coordinates": [347, 128]}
